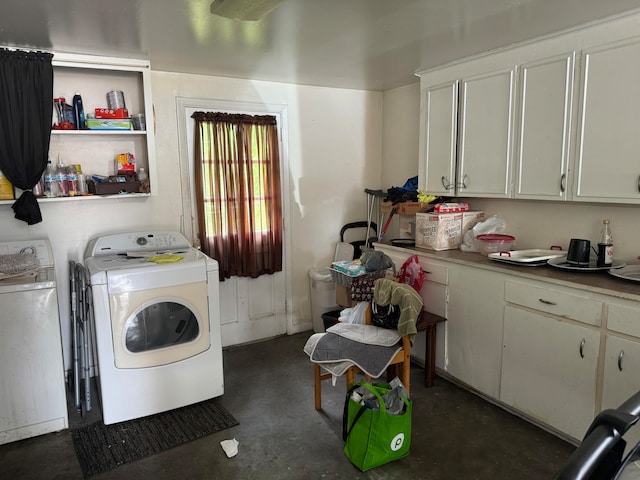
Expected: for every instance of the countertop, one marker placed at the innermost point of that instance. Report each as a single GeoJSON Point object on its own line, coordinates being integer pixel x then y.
{"type": "Point", "coordinates": [597, 282]}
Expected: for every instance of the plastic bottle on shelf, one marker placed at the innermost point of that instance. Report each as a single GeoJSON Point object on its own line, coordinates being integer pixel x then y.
{"type": "Point", "coordinates": [142, 174]}
{"type": "Point", "coordinates": [72, 181]}
{"type": "Point", "coordinates": [50, 184]}
{"type": "Point", "coordinates": [78, 112]}
{"type": "Point", "coordinates": [61, 179]}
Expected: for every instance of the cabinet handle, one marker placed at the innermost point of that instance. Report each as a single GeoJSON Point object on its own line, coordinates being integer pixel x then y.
{"type": "Point", "coordinates": [446, 184]}
{"type": "Point", "coordinates": [563, 182]}
{"type": "Point", "coordinates": [546, 302]}
{"type": "Point", "coordinates": [639, 183]}
{"type": "Point", "coordinates": [620, 359]}
{"type": "Point", "coordinates": [582, 348]}
{"type": "Point", "coordinates": [463, 182]}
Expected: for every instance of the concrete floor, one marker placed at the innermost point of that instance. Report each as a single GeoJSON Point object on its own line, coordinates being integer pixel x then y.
{"type": "Point", "coordinates": [269, 389]}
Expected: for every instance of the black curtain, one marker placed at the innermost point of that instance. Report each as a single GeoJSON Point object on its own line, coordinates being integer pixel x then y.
{"type": "Point", "coordinates": [26, 93]}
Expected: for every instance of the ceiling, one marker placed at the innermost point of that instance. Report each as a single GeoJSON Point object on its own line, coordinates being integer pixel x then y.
{"type": "Point", "coordinates": [360, 44]}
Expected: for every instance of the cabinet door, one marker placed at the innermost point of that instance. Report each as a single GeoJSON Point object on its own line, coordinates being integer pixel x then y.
{"type": "Point", "coordinates": [621, 367]}
{"type": "Point", "coordinates": [621, 378]}
{"type": "Point", "coordinates": [549, 370]}
{"type": "Point", "coordinates": [609, 144]}
{"type": "Point", "coordinates": [486, 119]}
{"type": "Point", "coordinates": [439, 132]}
{"type": "Point", "coordinates": [544, 130]}
{"type": "Point", "coordinates": [474, 327]}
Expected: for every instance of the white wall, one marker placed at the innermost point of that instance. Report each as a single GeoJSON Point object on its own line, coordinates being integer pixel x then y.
{"type": "Point", "coordinates": [400, 129]}
{"type": "Point", "coordinates": [334, 154]}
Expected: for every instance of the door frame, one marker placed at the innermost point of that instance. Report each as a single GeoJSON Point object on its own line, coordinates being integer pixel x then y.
{"type": "Point", "coordinates": [185, 106]}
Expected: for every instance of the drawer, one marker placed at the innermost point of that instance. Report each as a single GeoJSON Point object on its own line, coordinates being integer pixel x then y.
{"type": "Point", "coordinates": [624, 318]}
{"type": "Point", "coordinates": [561, 302]}
{"type": "Point", "coordinates": [434, 272]}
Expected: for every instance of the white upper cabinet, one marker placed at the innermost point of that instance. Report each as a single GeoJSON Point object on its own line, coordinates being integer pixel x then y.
{"type": "Point", "coordinates": [439, 131]}
{"type": "Point", "coordinates": [466, 135]}
{"type": "Point", "coordinates": [608, 161]}
{"type": "Point", "coordinates": [486, 119]}
{"type": "Point", "coordinates": [544, 128]}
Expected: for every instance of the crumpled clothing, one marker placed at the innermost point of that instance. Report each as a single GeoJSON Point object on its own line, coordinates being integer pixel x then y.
{"type": "Point", "coordinates": [387, 292]}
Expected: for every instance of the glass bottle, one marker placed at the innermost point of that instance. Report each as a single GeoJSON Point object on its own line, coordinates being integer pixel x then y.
{"type": "Point", "coordinates": [605, 246]}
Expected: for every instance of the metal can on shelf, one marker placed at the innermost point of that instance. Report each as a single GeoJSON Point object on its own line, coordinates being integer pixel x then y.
{"type": "Point", "coordinates": [115, 99]}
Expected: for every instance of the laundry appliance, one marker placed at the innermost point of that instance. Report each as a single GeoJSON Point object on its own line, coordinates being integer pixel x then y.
{"type": "Point", "coordinates": [157, 323]}
{"type": "Point", "coordinates": [32, 384]}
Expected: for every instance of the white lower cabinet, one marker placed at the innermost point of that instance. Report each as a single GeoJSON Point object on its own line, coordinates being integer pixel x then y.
{"type": "Point", "coordinates": [549, 369]}
{"type": "Point", "coordinates": [621, 377]}
{"type": "Point", "coordinates": [474, 327]}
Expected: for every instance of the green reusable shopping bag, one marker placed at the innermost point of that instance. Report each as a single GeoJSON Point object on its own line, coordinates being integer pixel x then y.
{"type": "Point", "coordinates": [373, 437]}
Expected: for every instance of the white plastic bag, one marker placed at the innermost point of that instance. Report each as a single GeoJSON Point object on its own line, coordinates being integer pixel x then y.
{"type": "Point", "coordinates": [355, 314]}
{"type": "Point", "coordinates": [493, 224]}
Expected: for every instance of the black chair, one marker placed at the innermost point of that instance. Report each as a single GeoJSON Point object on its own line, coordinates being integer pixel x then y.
{"type": "Point", "coordinates": [358, 244]}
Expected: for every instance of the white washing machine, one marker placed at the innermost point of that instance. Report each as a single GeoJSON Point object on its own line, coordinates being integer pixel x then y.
{"type": "Point", "coordinates": [32, 385]}
{"type": "Point", "coordinates": [157, 323]}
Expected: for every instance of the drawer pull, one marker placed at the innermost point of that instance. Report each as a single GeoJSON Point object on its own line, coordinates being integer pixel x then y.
{"type": "Point", "coordinates": [546, 302]}
{"type": "Point", "coordinates": [582, 348]}
{"type": "Point", "coordinates": [620, 359]}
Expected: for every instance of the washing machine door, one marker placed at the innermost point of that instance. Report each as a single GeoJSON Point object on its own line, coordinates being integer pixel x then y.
{"type": "Point", "coordinates": [154, 323]}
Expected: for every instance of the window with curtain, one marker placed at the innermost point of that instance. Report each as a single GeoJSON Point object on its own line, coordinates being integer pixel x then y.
{"type": "Point", "coordinates": [238, 193]}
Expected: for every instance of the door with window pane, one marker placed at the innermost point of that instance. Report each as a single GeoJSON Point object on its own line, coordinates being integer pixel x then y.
{"type": "Point", "coordinates": [251, 309]}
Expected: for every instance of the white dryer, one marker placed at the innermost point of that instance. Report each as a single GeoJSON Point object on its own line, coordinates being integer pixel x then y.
{"type": "Point", "coordinates": [157, 323]}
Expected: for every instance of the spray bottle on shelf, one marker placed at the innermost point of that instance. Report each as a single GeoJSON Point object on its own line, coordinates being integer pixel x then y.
{"type": "Point", "coordinates": [50, 183]}
{"type": "Point", "coordinates": [61, 179]}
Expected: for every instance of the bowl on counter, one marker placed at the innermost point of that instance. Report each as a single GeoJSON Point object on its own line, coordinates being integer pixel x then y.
{"type": "Point", "coordinates": [495, 242]}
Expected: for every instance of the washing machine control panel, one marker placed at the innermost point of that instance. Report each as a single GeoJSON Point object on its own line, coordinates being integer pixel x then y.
{"type": "Point", "coordinates": [135, 241]}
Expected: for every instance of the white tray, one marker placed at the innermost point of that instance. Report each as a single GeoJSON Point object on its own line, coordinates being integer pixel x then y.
{"type": "Point", "coordinates": [630, 272]}
{"type": "Point", "coordinates": [534, 255]}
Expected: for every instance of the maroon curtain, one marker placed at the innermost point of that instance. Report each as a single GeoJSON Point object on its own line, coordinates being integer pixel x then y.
{"type": "Point", "coordinates": [238, 193]}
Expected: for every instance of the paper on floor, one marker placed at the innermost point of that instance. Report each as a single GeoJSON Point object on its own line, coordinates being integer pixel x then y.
{"type": "Point", "coordinates": [230, 447]}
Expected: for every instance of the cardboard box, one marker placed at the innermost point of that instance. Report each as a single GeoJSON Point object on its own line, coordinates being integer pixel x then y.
{"type": "Point", "coordinates": [343, 296]}
{"type": "Point", "coordinates": [404, 208]}
{"type": "Point", "coordinates": [469, 219]}
{"type": "Point", "coordinates": [6, 189]}
{"type": "Point", "coordinates": [439, 231]}
{"type": "Point", "coordinates": [109, 124]}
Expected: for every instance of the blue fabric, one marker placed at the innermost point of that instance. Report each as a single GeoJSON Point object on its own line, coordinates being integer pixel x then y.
{"type": "Point", "coordinates": [411, 185]}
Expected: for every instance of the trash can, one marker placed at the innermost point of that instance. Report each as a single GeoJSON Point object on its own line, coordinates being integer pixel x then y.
{"type": "Point", "coordinates": [329, 319]}
{"type": "Point", "coordinates": [323, 295]}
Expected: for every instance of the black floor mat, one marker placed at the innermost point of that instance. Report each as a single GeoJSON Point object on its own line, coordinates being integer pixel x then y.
{"type": "Point", "coordinates": [102, 447]}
